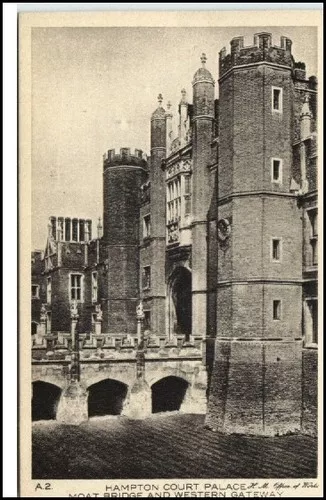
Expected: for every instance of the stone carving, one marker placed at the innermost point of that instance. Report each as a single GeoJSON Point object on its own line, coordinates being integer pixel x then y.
{"type": "Point", "coordinates": [140, 310]}
{"type": "Point", "coordinates": [223, 229]}
{"type": "Point", "coordinates": [74, 310]}
{"type": "Point", "coordinates": [173, 233]}
{"type": "Point", "coordinates": [43, 313]}
{"type": "Point", "coordinates": [178, 167]}
{"type": "Point", "coordinates": [99, 312]}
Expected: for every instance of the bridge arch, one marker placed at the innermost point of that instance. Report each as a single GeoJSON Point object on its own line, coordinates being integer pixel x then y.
{"type": "Point", "coordinates": [45, 400]}
{"type": "Point", "coordinates": [106, 397]}
{"type": "Point", "coordinates": [91, 375]}
{"type": "Point", "coordinates": [59, 381]}
{"type": "Point", "coordinates": [168, 394]}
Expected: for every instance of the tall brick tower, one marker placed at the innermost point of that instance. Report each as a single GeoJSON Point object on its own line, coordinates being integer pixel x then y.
{"type": "Point", "coordinates": [158, 227]}
{"type": "Point", "coordinates": [122, 177]}
{"type": "Point", "coordinates": [202, 134]}
{"type": "Point", "coordinates": [256, 381]}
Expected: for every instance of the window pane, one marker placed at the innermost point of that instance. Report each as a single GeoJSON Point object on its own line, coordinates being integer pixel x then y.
{"type": "Point", "coordinates": [276, 170]}
{"type": "Point", "coordinates": [314, 248]}
{"type": "Point", "coordinates": [81, 230]}
{"type": "Point", "coordinates": [276, 309]}
{"type": "Point", "coordinates": [276, 99]}
{"type": "Point", "coordinates": [276, 249]}
{"type": "Point", "coordinates": [67, 230]}
{"type": "Point", "coordinates": [187, 185]}
{"type": "Point", "coordinates": [75, 229]}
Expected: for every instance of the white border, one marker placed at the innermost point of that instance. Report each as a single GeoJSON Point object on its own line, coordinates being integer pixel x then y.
{"type": "Point", "coordinates": [10, 192]}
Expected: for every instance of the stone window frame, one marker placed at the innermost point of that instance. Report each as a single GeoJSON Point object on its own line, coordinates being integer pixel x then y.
{"type": "Point", "coordinates": [277, 312]}
{"type": "Point", "coordinates": [313, 239]}
{"type": "Point", "coordinates": [280, 177]}
{"type": "Point", "coordinates": [280, 249]}
{"type": "Point", "coordinates": [48, 289]}
{"type": "Point", "coordinates": [173, 199]}
{"type": "Point", "coordinates": [37, 294]}
{"type": "Point", "coordinates": [81, 299]}
{"type": "Point", "coordinates": [147, 324]}
{"type": "Point", "coordinates": [146, 226]}
{"type": "Point", "coordinates": [146, 278]}
{"type": "Point", "coordinates": [94, 286]}
{"type": "Point", "coordinates": [280, 100]}
{"type": "Point", "coordinates": [308, 339]}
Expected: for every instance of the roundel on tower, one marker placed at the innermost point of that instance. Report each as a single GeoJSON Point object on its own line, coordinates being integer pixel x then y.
{"type": "Point", "coordinates": [223, 229]}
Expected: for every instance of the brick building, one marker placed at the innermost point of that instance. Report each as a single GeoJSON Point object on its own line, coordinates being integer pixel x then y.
{"type": "Point", "coordinates": [216, 233]}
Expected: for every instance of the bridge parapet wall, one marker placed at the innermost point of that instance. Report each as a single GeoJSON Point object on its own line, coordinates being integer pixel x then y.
{"type": "Point", "coordinates": [58, 347]}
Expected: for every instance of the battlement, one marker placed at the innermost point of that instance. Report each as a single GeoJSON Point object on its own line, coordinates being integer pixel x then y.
{"type": "Point", "coordinates": [125, 157]}
{"type": "Point", "coordinates": [261, 50]}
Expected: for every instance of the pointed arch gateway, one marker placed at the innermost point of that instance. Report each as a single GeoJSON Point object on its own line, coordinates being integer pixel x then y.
{"type": "Point", "coordinates": [180, 302]}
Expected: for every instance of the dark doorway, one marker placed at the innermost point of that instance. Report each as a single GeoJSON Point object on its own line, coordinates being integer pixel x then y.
{"type": "Point", "coordinates": [168, 394]}
{"type": "Point", "coordinates": [182, 302]}
{"type": "Point", "coordinates": [106, 398]}
{"type": "Point", "coordinates": [45, 401]}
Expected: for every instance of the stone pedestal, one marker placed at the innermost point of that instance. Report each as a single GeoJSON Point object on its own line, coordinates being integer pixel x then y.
{"type": "Point", "coordinates": [41, 329]}
{"type": "Point", "coordinates": [256, 387]}
{"type": "Point", "coordinates": [98, 327]}
{"type": "Point", "coordinates": [72, 408]}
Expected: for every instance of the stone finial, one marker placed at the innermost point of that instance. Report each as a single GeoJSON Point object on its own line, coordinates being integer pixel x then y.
{"type": "Point", "coordinates": [183, 96]}
{"type": "Point", "coordinates": [160, 99]}
{"type": "Point", "coordinates": [203, 59]}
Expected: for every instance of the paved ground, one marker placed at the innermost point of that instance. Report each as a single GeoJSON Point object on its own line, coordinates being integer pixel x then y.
{"type": "Point", "coordinates": [164, 446]}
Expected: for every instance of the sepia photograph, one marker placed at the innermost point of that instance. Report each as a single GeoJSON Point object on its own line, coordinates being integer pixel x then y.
{"type": "Point", "coordinates": [174, 256]}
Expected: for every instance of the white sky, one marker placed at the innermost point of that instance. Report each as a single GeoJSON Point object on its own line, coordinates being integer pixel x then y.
{"type": "Point", "coordinates": [95, 88]}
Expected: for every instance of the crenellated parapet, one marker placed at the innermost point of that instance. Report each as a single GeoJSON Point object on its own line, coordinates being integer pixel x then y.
{"type": "Point", "coordinates": [262, 49]}
{"type": "Point", "coordinates": [125, 158]}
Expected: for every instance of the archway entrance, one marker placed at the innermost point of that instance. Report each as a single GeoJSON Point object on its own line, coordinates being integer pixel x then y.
{"type": "Point", "coordinates": [168, 394]}
{"type": "Point", "coordinates": [45, 401]}
{"type": "Point", "coordinates": [180, 302]}
{"type": "Point", "coordinates": [106, 398]}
